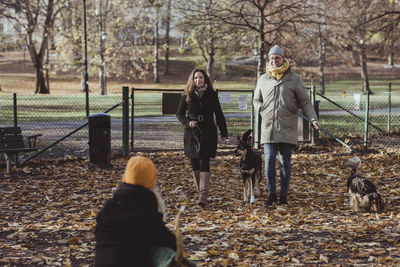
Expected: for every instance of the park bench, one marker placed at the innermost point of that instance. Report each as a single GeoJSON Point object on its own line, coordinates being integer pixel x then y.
{"type": "Point", "coordinates": [12, 143]}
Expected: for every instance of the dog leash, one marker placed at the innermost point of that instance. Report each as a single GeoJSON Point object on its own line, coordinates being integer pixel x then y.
{"type": "Point", "coordinates": [206, 141]}
{"type": "Point", "coordinates": [331, 135]}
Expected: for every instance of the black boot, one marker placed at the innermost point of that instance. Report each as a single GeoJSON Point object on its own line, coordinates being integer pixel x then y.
{"type": "Point", "coordinates": [202, 204]}
{"type": "Point", "coordinates": [282, 200]}
{"type": "Point", "coordinates": [272, 199]}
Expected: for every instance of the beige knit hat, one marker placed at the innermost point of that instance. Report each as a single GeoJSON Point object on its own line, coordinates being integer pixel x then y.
{"type": "Point", "coordinates": [140, 171]}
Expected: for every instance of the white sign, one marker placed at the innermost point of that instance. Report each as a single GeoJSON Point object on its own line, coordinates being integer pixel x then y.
{"type": "Point", "coordinates": [357, 97]}
{"type": "Point", "coordinates": [242, 102]}
{"type": "Point", "coordinates": [225, 97]}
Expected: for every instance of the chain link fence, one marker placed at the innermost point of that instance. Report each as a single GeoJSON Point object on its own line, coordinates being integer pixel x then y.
{"type": "Point", "coordinates": [154, 125]}
{"type": "Point", "coordinates": [56, 117]}
{"type": "Point", "coordinates": [371, 120]}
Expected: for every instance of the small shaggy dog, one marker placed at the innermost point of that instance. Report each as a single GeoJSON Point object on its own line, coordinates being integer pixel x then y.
{"type": "Point", "coordinates": [250, 166]}
{"type": "Point", "coordinates": [362, 193]}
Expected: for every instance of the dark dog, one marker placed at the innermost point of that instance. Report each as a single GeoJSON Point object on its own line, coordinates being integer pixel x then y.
{"type": "Point", "coordinates": [362, 193]}
{"type": "Point", "coordinates": [250, 166]}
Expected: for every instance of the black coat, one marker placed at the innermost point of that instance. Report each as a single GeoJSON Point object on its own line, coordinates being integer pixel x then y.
{"type": "Point", "coordinates": [128, 226]}
{"type": "Point", "coordinates": [205, 106]}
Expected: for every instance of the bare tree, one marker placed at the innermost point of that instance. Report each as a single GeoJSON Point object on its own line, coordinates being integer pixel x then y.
{"type": "Point", "coordinates": [103, 10]}
{"type": "Point", "coordinates": [388, 20]}
{"type": "Point", "coordinates": [167, 37]}
{"type": "Point", "coordinates": [156, 44]}
{"type": "Point", "coordinates": [356, 31]}
{"type": "Point", "coordinates": [205, 31]}
{"type": "Point", "coordinates": [267, 18]}
{"type": "Point", "coordinates": [70, 45]}
{"type": "Point", "coordinates": [318, 33]}
{"type": "Point", "coordinates": [37, 18]}
{"type": "Point", "coordinates": [213, 37]}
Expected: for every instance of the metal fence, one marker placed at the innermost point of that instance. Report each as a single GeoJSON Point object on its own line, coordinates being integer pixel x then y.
{"type": "Point", "coordinates": [58, 116]}
{"type": "Point", "coordinates": [154, 126]}
{"type": "Point", "coordinates": [371, 120]}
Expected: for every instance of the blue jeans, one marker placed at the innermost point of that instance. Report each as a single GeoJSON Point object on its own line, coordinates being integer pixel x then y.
{"type": "Point", "coordinates": [285, 153]}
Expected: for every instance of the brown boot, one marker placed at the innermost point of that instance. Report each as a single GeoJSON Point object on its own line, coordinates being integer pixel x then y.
{"type": "Point", "coordinates": [196, 178]}
{"type": "Point", "coordinates": [204, 187]}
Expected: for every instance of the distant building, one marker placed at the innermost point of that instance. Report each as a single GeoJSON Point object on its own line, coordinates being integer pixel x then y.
{"type": "Point", "coordinates": [8, 32]}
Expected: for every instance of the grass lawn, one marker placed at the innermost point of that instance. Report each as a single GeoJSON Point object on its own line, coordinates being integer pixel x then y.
{"type": "Point", "coordinates": [67, 102]}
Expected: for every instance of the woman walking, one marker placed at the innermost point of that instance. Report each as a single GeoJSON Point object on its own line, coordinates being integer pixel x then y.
{"type": "Point", "coordinates": [198, 105]}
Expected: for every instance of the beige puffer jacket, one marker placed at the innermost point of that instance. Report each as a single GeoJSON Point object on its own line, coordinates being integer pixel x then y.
{"type": "Point", "coordinates": [278, 103]}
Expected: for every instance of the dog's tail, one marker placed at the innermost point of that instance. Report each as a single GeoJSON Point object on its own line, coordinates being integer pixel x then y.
{"type": "Point", "coordinates": [372, 202]}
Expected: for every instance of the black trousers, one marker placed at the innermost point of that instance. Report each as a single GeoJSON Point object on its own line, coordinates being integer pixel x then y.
{"type": "Point", "coordinates": [200, 164]}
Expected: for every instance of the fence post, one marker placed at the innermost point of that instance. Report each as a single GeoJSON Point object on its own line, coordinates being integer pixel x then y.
{"type": "Point", "coordinates": [125, 121]}
{"type": "Point", "coordinates": [312, 131]}
{"type": "Point", "coordinates": [366, 123]}
{"type": "Point", "coordinates": [15, 109]}
{"type": "Point", "coordinates": [15, 121]}
{"type": "Point", "coordinates": [132, 117]}
{"type": "Point", "coordinates": [252, 116]}
{"type": "Point", "coordinates": [389, 107]}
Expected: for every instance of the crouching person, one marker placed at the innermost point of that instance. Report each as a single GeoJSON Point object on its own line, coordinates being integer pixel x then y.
{"type": "Point", "coordinates": [130, 224]}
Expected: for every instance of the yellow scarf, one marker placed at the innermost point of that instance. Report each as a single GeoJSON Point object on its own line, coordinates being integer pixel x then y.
{"type": "Point", "coordinates": [277, 73]}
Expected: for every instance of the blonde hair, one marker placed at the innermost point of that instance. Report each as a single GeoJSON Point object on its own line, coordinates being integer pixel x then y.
{"type": "Point", "coordinates": [191, 85]}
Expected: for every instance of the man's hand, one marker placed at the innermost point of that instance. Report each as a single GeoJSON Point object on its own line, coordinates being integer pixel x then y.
{"type": "Point", "coordinates": [316, 125]}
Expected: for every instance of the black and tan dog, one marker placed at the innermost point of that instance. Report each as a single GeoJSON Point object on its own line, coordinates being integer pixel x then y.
{"type": "Point", "coordinates": [362, 192]}
{"type": "Point", "coordinates": [250, 166]}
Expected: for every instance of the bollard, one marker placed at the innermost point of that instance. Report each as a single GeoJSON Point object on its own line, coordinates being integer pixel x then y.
{"type": "Point", "coordinates": [100, 138]}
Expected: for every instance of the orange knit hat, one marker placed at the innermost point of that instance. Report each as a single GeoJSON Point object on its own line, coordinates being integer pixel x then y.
{"type": "Point", "coordinates": [140, 171]}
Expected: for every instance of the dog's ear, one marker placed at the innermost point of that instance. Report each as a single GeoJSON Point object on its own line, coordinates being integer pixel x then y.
{"type": "Point", "coordinates": [250, 141]}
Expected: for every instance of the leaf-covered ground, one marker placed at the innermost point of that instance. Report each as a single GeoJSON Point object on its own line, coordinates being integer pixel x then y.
{"type": "Point", "coordinates": [48, 211]}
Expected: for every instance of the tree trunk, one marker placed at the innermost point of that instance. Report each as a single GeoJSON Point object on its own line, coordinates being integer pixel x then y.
{"type": "Point", "coordinates": [102, 73]}
{"type": "Point", "coordinates": [41, 87]}
{"type": "Point", "coordinates": [363, 55]}
{"type": "Point", "coordinates": [38, 57]}
{"type": "Point", "coordinates": [37, 60]}
{"type": "Point", "coordinates": [102, 37]}
{"type": "Point", "coordinates": [390, 59]}
{"type": "Point", "coordinates": [83, 81]}
{"type": "Point", "coordinates": [356, 58]}
{"type": "Point", "coordinates": [210, 66]}
{"type": "Point", "coordinates": [167, 40]}
{"type": "Point", "coordinates": [390, 55]}
{"type": "Point", "coordinates": [47, 70]}
{"type": "Point", "coordinates": [156, 58]}
{"type": "Point", "coordinates": [182, 40]}
{"type": "Point", "coordinates": [261, 60]}
{"type": "Point", "coordinates": [364, 70]}
{"type": "Point", "coordinates": [321, 61]}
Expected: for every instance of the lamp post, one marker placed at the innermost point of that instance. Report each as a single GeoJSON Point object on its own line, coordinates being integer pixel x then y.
{"type": "Point", "coordinates": [86, 60]}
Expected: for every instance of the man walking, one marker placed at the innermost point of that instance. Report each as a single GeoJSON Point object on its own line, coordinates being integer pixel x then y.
{"type": "Point", "coordinates": [278, 95]}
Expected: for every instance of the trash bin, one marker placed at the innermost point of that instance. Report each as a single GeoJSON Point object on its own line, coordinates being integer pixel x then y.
{"type": "Point", "coordinates": [100, 138]}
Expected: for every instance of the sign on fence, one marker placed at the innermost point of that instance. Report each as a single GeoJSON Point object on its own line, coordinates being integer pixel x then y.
{"type": "Point", "coordinates": [225, 97]}
{"type": "Point", "coordinates": [242, 102]}
{"type": "Point", "coordinates": [170, 102]}
{"type": "Point", "coordinates": [357, 97]}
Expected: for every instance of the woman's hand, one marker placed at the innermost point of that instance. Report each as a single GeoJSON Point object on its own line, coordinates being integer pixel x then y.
{"type": "Point", "coordinates": [192, 124]}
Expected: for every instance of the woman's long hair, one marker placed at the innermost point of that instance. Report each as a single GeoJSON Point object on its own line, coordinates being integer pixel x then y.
{"type": "Point", "coordinates": [191, 85]}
